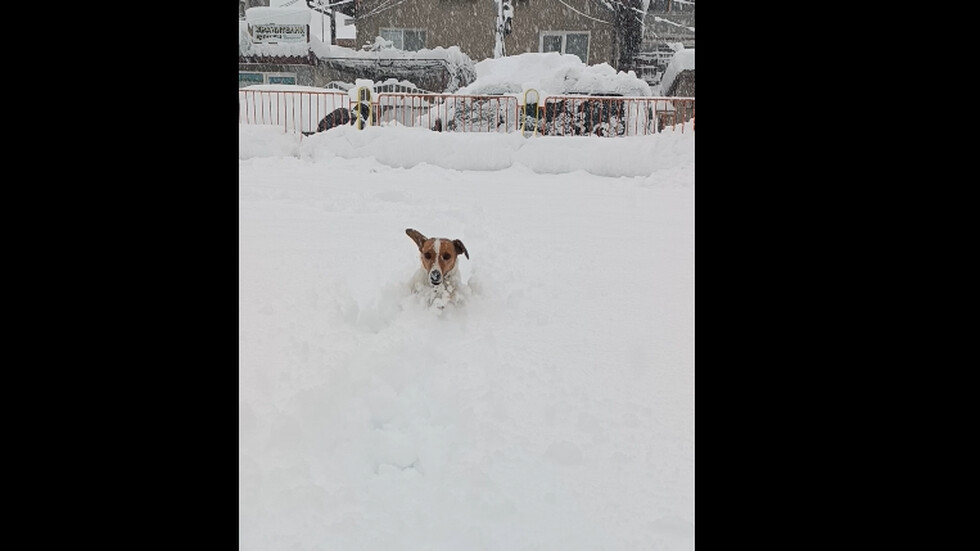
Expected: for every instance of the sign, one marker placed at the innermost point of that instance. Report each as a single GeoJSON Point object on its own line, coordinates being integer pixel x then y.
{"type": "Point", "coordinates": [272, 33]}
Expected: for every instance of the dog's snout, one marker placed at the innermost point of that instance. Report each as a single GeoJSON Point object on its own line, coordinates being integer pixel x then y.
{"type": "Point", "coordinates": [435, 276]}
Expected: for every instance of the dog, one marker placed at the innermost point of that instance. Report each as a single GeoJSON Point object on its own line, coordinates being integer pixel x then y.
{"type": "Point", "coordinates": [438, 280]}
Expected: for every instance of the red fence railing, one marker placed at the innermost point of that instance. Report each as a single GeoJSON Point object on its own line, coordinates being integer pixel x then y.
{"type": "Point", "coordinates": [299, 111]}
{"type": "Point", "coordinates": [313, 111]}
{"type": "Point", "coordinates": [612, 115]}
{"type": "Point", "coordinates": [451, 113]}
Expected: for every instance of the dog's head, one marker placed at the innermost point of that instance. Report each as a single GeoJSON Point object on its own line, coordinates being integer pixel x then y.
{"type": "Point", "coordinates": [438, 254]}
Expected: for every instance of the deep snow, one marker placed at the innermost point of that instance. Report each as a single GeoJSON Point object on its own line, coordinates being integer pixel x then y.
{"type": "Point", "coordinates": [553, 410]}
{"type": "Point", "coordinates": [552, 73]}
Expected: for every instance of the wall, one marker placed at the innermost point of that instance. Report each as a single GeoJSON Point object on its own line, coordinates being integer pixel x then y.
{"type": "Point", "coordinates": [470, 24]}
{"type": "Point", "coordinates": [534, 16]}
{"type": "Point", "coordinates": [246, 4]}
{"type": "Point", "coordinates": [662, 32]}
{"type": "Point", "coordinates": [464, 23]}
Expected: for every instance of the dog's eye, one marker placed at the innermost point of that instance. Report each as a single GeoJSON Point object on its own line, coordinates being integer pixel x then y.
{"type": "Point", "coordinates": [428, 256]}
{"type": "Point", "coordinates": [445, 256]}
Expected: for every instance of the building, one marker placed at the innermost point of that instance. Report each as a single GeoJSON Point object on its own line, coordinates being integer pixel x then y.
{"type": "Point", "coordinates": [580, 27]}
{"type": "Point", "coordinates": [669, 22]}
{"type": "Point", "coordinates": [276, 46]}
{"type": "Point", "coordinates": [246, 4]}
{"type": "Point", "coordinates": [668, 26]}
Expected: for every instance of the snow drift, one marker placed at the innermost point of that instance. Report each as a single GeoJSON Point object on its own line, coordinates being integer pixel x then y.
{"type": "Point", "coordinates": [553, 411]}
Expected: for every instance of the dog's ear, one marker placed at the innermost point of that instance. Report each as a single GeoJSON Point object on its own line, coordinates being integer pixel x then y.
{"type": "Point", "coordinates": [460, 248]}
{"type": "Point", "coordinates": [416, 236]}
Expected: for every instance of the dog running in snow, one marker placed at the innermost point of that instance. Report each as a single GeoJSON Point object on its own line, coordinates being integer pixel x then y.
{"type": "Point", "coordinates": [438, 276]}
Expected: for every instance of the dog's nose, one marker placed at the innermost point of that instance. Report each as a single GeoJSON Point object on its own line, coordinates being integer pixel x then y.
{"type": "Point", "coordinates": [435, 277]}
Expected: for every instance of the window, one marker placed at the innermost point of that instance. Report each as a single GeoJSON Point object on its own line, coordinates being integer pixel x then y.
{"type": "Point", "coordinates": [566, 43]}
{"type": "Point", "coordinates": [551, 43]}
{"type": "Point", "coordinates": [411, 40]}
{"type": "Point", "coordinates": [281, 79]}
{"type": "Point", "coordinates": [248, 79]}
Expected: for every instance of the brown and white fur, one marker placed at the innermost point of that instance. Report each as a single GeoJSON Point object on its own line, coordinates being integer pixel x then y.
{"type": "Point", "coordinates": [438, 279]}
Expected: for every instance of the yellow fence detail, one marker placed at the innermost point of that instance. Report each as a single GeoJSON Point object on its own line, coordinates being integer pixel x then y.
{"type": "Point", "coordinates": [532, 99]}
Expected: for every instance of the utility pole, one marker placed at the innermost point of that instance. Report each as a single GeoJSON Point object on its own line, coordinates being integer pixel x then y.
{"type": "Point", "coordinates": [321, 6]}
{"type": "Point", "coordinates": [498, 45]}
{"type": "Point", "coordinates": [505, 14]}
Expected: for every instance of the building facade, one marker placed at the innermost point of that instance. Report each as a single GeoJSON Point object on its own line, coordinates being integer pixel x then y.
{"type": "Point", "coordinates": [246, 4]}
{"type": "Point", "coordinates": [668, 22]}
{"type": "Point", "coordinates": [572, 27]}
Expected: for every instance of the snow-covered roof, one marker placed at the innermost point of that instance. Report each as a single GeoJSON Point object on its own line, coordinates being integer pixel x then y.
{"type": "Point", "coordinates": [682, 61]}
{"type": "Point", "coordinates": [261, 15]}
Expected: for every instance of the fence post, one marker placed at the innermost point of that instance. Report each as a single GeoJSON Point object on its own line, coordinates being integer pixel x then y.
{"type": "Point", "coordinates": [363, 102]}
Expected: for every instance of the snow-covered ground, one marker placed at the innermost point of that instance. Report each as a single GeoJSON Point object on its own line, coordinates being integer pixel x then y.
{"type": "Point", "coordinates": [553, 410]}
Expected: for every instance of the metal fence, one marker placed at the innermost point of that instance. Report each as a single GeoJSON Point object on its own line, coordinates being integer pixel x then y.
{"type": "Point", "coordinates": [300, 111]}
{"type": "Point", "coordinates": [607, 116]}
{"type": "Point", "coordinates": [450, 113]}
